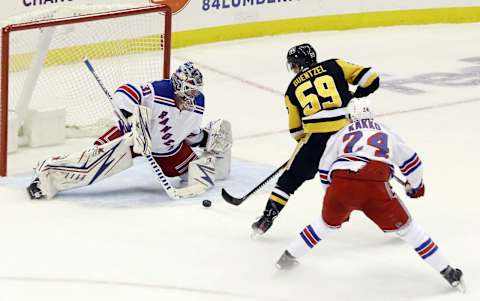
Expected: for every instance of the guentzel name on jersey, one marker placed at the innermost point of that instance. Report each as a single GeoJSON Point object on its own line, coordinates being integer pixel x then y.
{"type": "Point", "coordinates": [308, 75]}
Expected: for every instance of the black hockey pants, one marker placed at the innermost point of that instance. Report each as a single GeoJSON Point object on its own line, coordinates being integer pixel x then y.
{"type": "Point", "coordinates": [303, 164]}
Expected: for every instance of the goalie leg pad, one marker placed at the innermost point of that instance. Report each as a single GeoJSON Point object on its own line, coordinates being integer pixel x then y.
{"type": "Point", "coordinates": [223, 165]}
{"type": "Point", "coordinates": [202, 171]}
{"type": "Point", "coordinates": [83, 168]}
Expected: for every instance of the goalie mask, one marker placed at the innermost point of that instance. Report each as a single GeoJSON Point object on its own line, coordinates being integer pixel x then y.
{"type": "Point", "coordinates": [301, 57]}
{"type": "Point", "coordinates": [188, 83]}
{"type": "Point", "coordinates": [359, 108]}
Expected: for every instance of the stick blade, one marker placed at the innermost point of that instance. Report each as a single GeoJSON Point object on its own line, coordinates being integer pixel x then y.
{"type": "Point", "coordinates": [230, 199]}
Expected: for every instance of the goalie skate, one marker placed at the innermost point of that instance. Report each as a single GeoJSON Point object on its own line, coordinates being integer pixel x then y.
{"type": "Point", "coordinates": [34, 191]}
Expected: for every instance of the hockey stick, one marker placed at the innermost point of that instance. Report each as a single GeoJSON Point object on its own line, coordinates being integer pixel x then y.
{"type": "Point", "coordinates": [400, 181]}
{"type": "Point", "coordinates": [237, 201]}
{"type": "Point", "coordinates": [169, 189]}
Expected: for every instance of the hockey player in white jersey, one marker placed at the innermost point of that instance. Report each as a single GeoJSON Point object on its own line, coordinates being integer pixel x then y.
{"type": "Point", "coordinates": [356, 166]}
{"type": "Point", "coordinates": [173, 111]}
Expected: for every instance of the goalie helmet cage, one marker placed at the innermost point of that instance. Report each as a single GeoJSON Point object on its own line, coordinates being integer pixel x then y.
{"type": "Point", "coordinates": [127, 44]}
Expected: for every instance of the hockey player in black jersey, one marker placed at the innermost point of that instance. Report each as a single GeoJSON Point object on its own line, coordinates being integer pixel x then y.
{"type": "Point", "coordinates": [316, 101]}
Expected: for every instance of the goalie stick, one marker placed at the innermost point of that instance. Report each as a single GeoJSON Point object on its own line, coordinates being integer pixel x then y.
{"type": "Point", "coordinates": [172, 192]}
{"type": "Point", "coordinates": [237, 201]}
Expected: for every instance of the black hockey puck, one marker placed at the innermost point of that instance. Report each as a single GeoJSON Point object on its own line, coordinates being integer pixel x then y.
{"type": "Point", "coordinates": [206, 203]}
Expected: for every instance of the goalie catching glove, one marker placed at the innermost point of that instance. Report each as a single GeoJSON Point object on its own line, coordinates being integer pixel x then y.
{"type": "Point", "coordinates": [219, 139]}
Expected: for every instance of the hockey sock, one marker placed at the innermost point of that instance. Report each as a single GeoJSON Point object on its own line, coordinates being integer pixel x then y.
{"type": "Point", "coordinates": [309, 237]}
{"type": "Point", "coordinates": [277, 200]}
{"type": "Point", "coordinates": [424, 246]}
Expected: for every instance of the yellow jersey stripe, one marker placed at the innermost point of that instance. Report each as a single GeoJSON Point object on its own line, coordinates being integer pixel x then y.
{"type": "Point", "coordinates": [325, 126]}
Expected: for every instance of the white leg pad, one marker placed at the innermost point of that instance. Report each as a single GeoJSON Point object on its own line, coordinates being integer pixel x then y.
{"type": "Point", "coordinates": [202, 171]}
{"type": "Point", "coordinates": [223, 165]}
{"type": "Point", "coordinates": [84, 168]}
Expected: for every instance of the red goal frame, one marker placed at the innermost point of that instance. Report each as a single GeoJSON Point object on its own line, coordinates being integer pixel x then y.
{"type": "Point", "coordinates": [64, 21]}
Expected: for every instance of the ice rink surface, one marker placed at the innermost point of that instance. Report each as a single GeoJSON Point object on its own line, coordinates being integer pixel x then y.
{"type": "Point", "coordinates": [124, 240]}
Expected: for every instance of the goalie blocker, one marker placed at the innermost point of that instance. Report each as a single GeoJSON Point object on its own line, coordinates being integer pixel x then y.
{"type": "Point", "coordinates": [98, 162]}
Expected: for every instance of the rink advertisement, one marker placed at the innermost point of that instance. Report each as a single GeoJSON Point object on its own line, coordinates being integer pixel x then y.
{"type": "Point", "coordinates": [205, 21]}
{"type": "Point", "coordinates": [16, 7]}
{"type": "Point", "coordinates": [207, 13]}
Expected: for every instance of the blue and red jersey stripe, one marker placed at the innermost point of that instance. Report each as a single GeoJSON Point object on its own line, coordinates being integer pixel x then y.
{"type": "Point", "coordinates": [164, 101]}
{"type": "Point", "coordinates": [131, 92]}
{"type": "Point", "coordinates": [410, 165]}
{"type": "Point", "coordinates": [324, 176]}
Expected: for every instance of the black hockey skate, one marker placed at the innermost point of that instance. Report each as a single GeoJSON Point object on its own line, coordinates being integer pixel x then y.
{"type": "Point", "coordinates": [261, 225]}
{"type": "Point", "coordinates": [287, 261]}
{"type": "Point", "coordinates": [455, 278]}
{"type": "Point", "coordinates": [33, 191]}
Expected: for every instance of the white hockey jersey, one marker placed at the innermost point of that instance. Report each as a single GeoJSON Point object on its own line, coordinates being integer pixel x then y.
{"type": "Point", "coordinates": [365, 140]}
{"type": "Point", "coordinates": [169, 126]}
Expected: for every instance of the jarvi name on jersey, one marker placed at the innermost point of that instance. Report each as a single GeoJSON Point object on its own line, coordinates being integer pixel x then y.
{"type": "Point", "coordinates": [310, 73]}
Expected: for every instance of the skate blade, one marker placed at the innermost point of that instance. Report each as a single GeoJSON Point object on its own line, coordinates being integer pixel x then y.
{"type": "Point", "coordinates": [461, 287]}
{"type": "Point", "coordinates": [286, 267]}
{"type": "Point", "coordinates": [285, 263]}
{"type": "Point", "coordinates": [255, 234]}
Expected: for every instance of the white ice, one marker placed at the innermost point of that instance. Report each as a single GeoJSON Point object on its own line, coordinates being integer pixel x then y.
{"type": "Point", "coordinates": [124, 240]}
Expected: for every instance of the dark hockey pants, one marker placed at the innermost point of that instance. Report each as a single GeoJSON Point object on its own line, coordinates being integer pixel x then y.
{"type": "Point", "coordinates": [303, 165]}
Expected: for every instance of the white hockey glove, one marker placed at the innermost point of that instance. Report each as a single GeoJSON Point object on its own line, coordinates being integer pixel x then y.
{"type": "Point", "coordinates": [220, 138]}
{"type": "Point", "coordinates": [142, 139]}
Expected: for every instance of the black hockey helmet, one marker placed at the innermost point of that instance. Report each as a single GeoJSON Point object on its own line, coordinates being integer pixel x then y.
{"type": "Point", "coordinates": [302, 55]}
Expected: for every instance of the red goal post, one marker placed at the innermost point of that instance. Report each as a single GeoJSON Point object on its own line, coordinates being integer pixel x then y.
{"type": "Point", "coordinates": [31, 70]}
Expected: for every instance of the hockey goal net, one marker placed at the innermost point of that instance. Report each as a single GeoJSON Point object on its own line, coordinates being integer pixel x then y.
{"type": "Point", "coordinates": [42, 65]}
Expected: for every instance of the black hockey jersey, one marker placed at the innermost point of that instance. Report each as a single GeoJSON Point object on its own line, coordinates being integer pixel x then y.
{"type": "Point", "coordinates": [317, 97]}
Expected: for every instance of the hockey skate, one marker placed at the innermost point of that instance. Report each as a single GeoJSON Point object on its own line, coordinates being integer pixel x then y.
{"type": "Point", "coordinates": [287, 261]}
{"type": "Point", "coordinates": [34, 191]}
{"type": "Point", "coordinates": [455, 278]}
{"type": "Point", "coordinates": [261, 225]}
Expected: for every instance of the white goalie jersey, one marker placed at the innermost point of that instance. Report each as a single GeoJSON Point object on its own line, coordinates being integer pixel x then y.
{"type": "Point", "coordinates": [365, 140]}
{"type": "Point", "coordinates": [169, 127]}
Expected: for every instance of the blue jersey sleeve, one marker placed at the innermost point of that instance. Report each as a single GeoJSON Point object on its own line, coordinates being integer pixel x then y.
{"type": "Point", "coordinates": [163, 88]}
{"type": "Point", "coordinates": [199, 103]}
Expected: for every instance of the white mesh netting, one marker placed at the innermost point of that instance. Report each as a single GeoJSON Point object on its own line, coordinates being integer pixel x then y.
{"type": "Point", "coordinates": [126, 49]}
